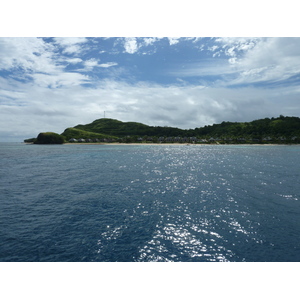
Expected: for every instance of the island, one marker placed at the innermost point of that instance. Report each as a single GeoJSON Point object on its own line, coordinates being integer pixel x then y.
{"type": "Point", "coordinates": [280, 130]}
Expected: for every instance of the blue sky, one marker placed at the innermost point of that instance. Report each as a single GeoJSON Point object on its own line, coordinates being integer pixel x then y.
{"type": "Point", "coordinates": [49, 84]}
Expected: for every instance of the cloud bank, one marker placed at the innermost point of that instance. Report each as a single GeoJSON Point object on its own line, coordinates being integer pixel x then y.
{"type": "Point", "coordinates": [52, 84]}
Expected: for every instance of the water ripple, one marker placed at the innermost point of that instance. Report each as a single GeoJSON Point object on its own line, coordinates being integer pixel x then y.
{"type": "Point", "coordinates": [149, 203]}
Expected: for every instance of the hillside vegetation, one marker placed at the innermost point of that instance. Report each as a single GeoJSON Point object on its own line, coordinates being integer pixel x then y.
{"type": "Point", "coordinates": [84, 134]}
{"type": "Point", "coordinates": [269, 130]}
{"type": "Point", "coordinates": [281, 129]}
{"type": "Point", "coordinates": [117, 128]}
{"type": "Point", "coordinates": [49, 138]}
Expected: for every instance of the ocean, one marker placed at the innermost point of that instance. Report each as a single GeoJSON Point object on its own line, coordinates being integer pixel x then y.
{"type": "Point", "coordinates": [149, 203]}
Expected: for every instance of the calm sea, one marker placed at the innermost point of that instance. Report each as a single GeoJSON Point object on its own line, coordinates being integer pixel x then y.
{"type": "Point", "coordinates": [106, 203]}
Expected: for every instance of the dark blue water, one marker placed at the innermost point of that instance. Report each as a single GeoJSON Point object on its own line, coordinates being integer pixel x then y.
{"type": "Point", "coordinates": [149, 203]}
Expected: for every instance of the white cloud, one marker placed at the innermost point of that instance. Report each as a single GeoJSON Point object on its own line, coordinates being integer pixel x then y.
{"type": "Point", "coordinates": [149, 41]}
{"type": "Point", "coordinates": [71, 44]}
{"type": "Point", "coordinates": [90, 64]}
{"type": "Point", "coordinates": [39, 61]}
{"type": "Point", "coordinates": [68, 41]}
{"type": "Point", "coordinates": [55, 98]}
{"type": "Point", "coordinates": [196, 39]}
{"type": "Point", "coordinates": [130, 45]}
{"type": "Point", "coordinates": [249, 60]}
{"type": "Point", "coordinates": [60, 79]}
{"type": "Point", "coordinates": [30, 54]}
{"type": "Point", "coordinates": [173, 40]}
{"type": "Point", "coordinates": [108, 65]}
{"type": "Point", "coordinates": [213, 48]}
{"type": "Point", "coordinates": [209, 67]}
{"type": "Point", "coordinates": [47, 109]}
{"type": "Point", "coordinates": [73, 60]}
{"type": "Point", "coordinates": [72, 49]}
{"type": "Point", "coordinates": [263, 59]}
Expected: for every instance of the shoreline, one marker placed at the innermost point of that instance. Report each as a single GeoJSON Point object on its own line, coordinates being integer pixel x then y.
{"type": "Point", "coordinates": [177, 144]}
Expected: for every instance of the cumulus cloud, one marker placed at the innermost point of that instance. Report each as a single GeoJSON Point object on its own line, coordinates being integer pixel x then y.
{"type": "Point", "coordinates": [173, 40]}
{"type": "Point", "coordinates": [29, 54]}
{"type": "Point", "coordinates": [130, 45]}
{"type": "Point", "coordinates": [38, 61]}
{"type": "Point", "coordinates": [150, 41]}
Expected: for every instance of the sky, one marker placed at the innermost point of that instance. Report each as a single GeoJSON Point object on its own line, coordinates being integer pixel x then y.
{"type": "Point", "coordinates": [51, 83]}
{"type": "Point", "coordinates": [186, 66]}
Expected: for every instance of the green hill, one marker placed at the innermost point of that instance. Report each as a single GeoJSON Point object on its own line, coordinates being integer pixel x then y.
{"type": "Point", "coordinates": [84, 134]}
{"type": "Point", "coordinates": [281, 128]}
{"type": "Point", "coordinates": [117, 128]}
{"type": "Point", "coordinates": [269, 130]}
{"type": "Point", "coordinates": [264, 130]}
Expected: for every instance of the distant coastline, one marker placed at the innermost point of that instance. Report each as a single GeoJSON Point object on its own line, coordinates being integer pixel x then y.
{"type": "Point", "coordinates": [275, 131]}
{"type": "Point", "coordinates": [173, 144]}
